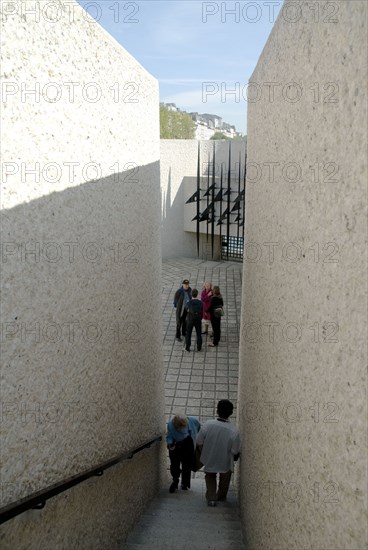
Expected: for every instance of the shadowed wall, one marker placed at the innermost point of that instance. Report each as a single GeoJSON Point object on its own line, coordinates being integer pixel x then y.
{"type": "Point", "coordinates": [81, 275]}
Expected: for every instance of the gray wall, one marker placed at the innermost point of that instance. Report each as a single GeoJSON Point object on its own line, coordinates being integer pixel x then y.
{"type": "Point", "coordinates": [81, 358]}
{"type": "Point", "coordinates": [302, 394]}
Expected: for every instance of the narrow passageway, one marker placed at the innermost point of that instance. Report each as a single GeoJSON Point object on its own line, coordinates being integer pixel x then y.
{"type": "Point", "coordinates": [194, 382]}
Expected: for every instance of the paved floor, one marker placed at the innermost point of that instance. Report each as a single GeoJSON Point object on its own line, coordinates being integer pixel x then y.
{"type": "Point", "coordinates": [195, 381]}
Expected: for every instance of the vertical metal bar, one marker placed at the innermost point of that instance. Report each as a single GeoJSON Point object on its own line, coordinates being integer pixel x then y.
{"type": "Point", "coordinates": [213, 197]}
{"type": "Point", "coordinates": [228, 203]}
{"type": "Point", "coordinates": [221, 180]}
{"type": "Point", "coordinates": [245, 183]}
{"type": "Point", "coordinates": [239, 176]}
{"type": "Point", "coordinates": [208, 186]}
{"type": "Point", "coordinates": [198, 193]}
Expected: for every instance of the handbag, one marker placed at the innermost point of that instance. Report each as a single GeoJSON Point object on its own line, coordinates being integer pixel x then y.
{"type": "Point", "coordinates": [197, 464]}
{"type": "Point", "coordinates": [219, 312]}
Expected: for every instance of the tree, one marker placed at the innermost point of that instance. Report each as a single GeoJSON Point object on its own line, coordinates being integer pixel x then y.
{"type": "Point", "coordinates": [219, 135]}
{"type": "Point", "coordinates": [174, 125]}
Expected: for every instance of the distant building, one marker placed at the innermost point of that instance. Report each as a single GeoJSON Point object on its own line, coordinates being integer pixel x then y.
{"type": "Point", "coordinates": [170, 106]}
{"type": "Point", "coordinates": [207, 124]}
{"type": "Point", "coordinates": [213, 121]}
{"type": "Point", "coordinates": [203, 132]}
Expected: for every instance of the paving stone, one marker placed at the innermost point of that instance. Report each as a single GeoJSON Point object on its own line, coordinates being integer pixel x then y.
{"type": "Point", "coordinates": [195, 394]}
{"type": "Point", "coordinates": [197, 379]}
{"type": "Point", "coordinates": [182, 386]}
{"type": "Point", "coordinates": [181, 393]}
{"type": "Point", "coordinates": [193, 403]}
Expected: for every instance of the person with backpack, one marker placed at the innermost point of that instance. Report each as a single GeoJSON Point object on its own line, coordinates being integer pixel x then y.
{"type": "Point", "coordinates": [181, 299]}
{"type": "Point", "coordinates": [194, 319]}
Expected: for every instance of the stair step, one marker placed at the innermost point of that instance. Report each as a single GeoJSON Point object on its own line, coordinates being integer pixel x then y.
{"type": "Point", "coordinates": [188, 545]}
{"type": "Point", "coordinates": [187, 541]}
{"type": "Point", "coordinates": [191, 507]}
{"type": "Point", "coordinates": [190, 517]}
{"type": "Point", "coordinates": [183, 521]}
{"type": "Point", "coordinates": [155, 535]}
{"type": "Point", "coordinates": [207, 533]}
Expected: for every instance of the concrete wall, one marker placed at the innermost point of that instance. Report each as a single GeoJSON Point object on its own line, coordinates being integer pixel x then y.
{"type": "Point", "coordinates": [81, 278]}
{"type": "Point", "coordinates": [179, 160]}
{"type": "Point", "coordinates": [302, 394]}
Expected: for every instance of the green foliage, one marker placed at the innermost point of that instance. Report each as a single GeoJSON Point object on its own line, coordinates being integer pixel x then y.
{"type": "Point", "coordinates": [175, 125]}
{"type": "Point", "coordinates": [219, 135]}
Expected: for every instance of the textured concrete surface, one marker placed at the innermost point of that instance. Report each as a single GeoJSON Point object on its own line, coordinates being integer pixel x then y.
{"type": "Point", "coordinates": [302, 395]}
{"type": "Point", "coordinates": [81, 357]}
{"type": "Point", "coordinates": [178, 167]}
{"type": "Point", "coordinates": [96, 514]}
{"type": "Point", "coordinates": [182, 521]}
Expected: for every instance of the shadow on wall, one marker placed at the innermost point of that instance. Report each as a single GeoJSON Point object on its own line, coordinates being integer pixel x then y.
{"type": "Point", "coordinates": [175, 241]}
{"type": "Point", "coordinates": [166, 201]}
{"type": "Point", "coordinates": [174, 238]}
{"type": "Point", "coordinates": [80, 272]}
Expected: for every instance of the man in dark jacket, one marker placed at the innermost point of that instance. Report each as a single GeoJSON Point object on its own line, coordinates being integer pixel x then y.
{"type": "Point", "coordinates": [216, 304]}
{"type": "Point", "coordinates": [181, 299]}
{"type": "Point", "coordinates": [194, 319]}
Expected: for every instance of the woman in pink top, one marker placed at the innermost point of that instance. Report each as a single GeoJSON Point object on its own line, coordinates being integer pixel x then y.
{"type": "Point", "coordinates": [206, 297]}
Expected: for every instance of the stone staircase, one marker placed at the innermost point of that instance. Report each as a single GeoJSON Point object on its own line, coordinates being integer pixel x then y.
{"type": "Point", "coordinates": [183, 521]}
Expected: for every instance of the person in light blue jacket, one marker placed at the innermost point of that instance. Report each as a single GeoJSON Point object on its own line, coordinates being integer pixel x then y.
{"type": "Point", "coordinates": [181, 440]}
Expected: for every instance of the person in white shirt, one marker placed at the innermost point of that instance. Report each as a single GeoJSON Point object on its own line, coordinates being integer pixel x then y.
{"type": "Point", "coordinates": [220, 442]}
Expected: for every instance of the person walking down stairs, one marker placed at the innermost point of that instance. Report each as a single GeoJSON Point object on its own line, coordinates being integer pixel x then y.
{"type": "Point", "coordinates": [181, 440]}
{"type": "Point", "coordinates": [220, 442]}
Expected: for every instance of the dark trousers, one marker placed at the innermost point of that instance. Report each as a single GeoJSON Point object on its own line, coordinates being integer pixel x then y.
{"type": "Point", "coordinates": [182, 456]}
{"type": "Point", "coordinates": [188, 338]}
{"type": "Point", "coordinates": [181, 324]}
{"type": "Point", "coordinates": [223, 487]}
{"type": "Point", "coordinates": [216, 327]}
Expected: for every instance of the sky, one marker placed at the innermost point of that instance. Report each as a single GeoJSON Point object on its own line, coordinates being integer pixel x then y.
{"type": "Point", "coordinates": [202, 53]}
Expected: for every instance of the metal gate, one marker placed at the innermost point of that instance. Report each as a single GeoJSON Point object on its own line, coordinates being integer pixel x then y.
{"type": "Point", "coordinates": [232, 248]}
{"type": "Point", "coordinates": [220, 204]}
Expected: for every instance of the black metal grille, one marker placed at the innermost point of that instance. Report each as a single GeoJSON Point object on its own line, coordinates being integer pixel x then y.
{"type": "Point", "coordinates": [232, 248]}
{"type": "Point", "coordinates": [218, 201]}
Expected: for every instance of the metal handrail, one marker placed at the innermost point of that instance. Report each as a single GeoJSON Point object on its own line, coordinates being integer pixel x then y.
{"type": "Point", "coordinates": [37, 501]}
